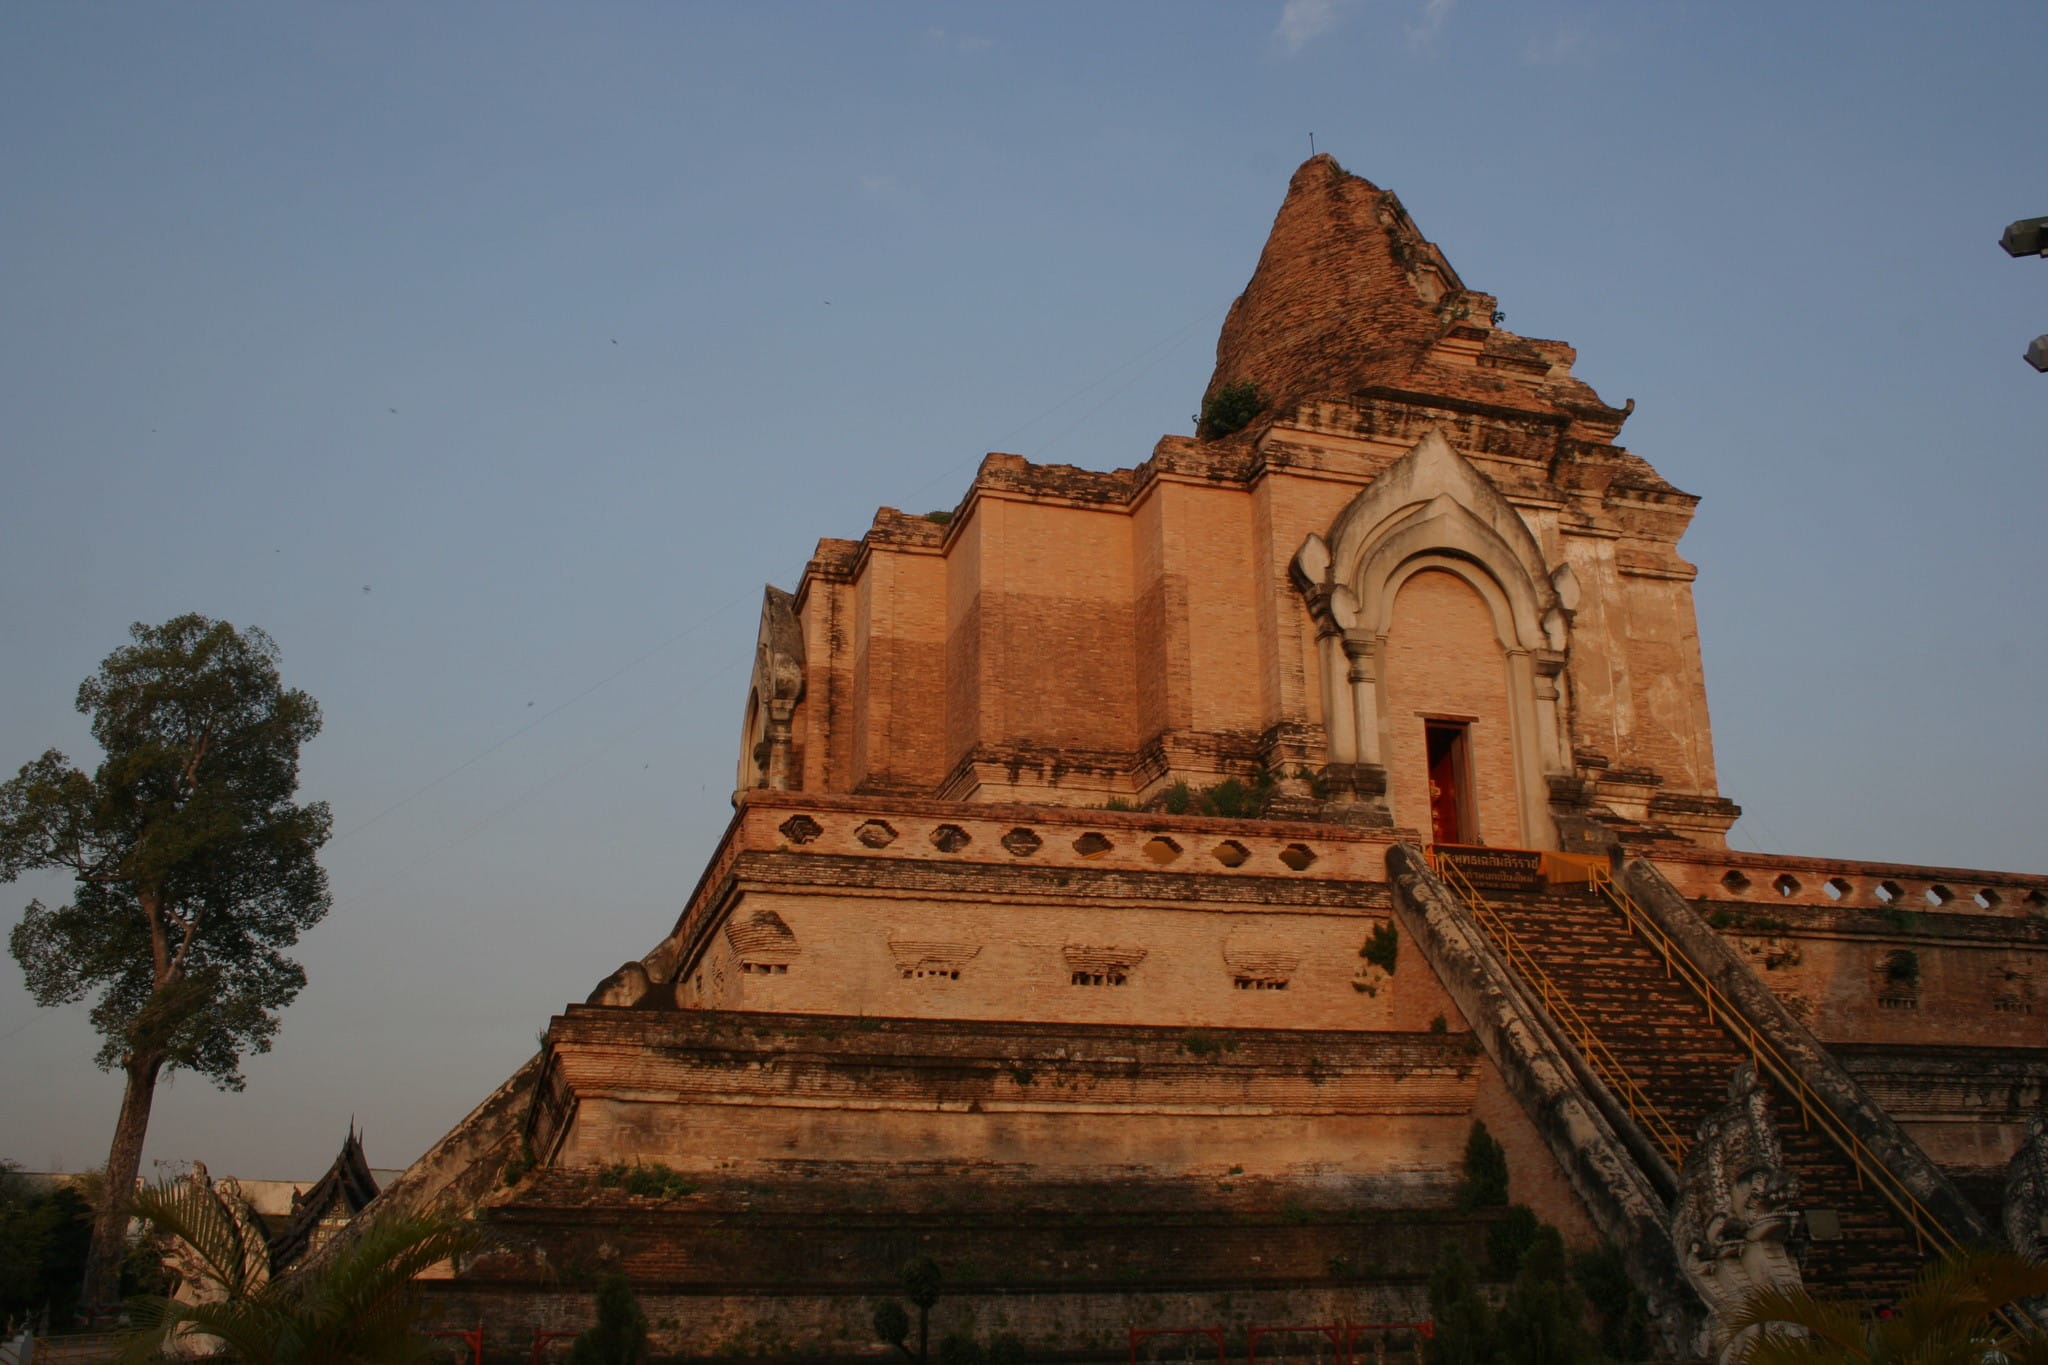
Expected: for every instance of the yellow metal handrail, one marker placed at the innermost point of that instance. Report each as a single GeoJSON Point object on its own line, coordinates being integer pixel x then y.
{"type": "Point", "coordinates": [1596, 1052]}
{"type": "Point", "coordinates": [1927, 1229]}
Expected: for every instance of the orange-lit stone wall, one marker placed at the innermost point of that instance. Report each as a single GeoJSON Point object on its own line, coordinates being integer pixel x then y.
{"type": "Point", "coordinates": [1075, 637]}
{"type": "Point", "coordinates": [1375, 1120]}
{"type": "Point", "coordinates": [1897, 967]}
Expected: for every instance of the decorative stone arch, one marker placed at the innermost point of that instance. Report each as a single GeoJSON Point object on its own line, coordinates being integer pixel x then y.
{"type": "Point", "coordinates": [1431, 510]}
{"type": "Point", "coordinates": [766, 743]}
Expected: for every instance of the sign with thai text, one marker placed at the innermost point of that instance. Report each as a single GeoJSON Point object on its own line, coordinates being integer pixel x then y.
{"type": "Point", "coordinates": [1496, 869]}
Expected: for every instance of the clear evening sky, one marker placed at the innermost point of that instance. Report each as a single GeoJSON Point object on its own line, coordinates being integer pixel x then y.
{"type": "Point", "coordinates": [491, 357]}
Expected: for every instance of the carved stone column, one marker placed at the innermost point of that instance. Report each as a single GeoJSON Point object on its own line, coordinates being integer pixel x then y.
{"type": "Point", "coordinates": [1339, 719]}
{"type": "Point", "coordinates": [1363, 676]}
{"type": "Point", "coordinates": [1550, 724]}
{"type": "Point", "coordinates": [777, 761]}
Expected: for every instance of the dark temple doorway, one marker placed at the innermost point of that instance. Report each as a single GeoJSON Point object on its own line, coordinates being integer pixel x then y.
{"type": "Point", "coordinates": [1450, 794]}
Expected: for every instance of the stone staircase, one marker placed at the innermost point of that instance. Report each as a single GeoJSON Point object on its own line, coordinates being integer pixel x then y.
{"type": "Point", "coordinates": [1662, 1035]}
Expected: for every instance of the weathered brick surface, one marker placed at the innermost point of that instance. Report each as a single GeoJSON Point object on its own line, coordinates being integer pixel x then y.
{"type": "Point", "coordinates": [1089, 1323]}
{"type": "Point", "coordinates": [1106, 634]}
{"type": "Point", "coordinates": [1361, 1119]}
{"type": "Point", "coordinates": [1828, 935]}
{"type": "Point", "coordinates": [936, 999]}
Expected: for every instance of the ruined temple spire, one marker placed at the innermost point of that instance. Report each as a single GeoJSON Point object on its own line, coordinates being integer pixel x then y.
{"type": "Point", "coordinates": [1350, 299]}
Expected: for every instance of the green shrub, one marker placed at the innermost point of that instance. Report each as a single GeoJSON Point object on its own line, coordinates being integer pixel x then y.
{"type": "Point", "coordinates": [892, 1324]}
{"type": "Point", "coordinates": [1465, 1330]}
{"type": "Point", "coordinates": [1509, 1240]}
{"type": "Point", "coordinates": [620, 1334]}
{"type": "Point", "coordinates": [1619, 1307]}
{"type": "Point", "coordinates": [1383, 947]}
{"type": "Point", "coordinates": [1233, 800]}
{"type": "Point", "coordinates": [650, 1181]}
{"type": "Point", "coordinates": [1543, 1321]}
{"type": "Point", "coordinates": [1486, 1171]}
{"type": "Point", "coordinates": [1229, 409]}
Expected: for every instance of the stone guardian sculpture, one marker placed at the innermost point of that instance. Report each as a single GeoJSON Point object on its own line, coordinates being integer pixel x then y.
{"type": "Point", "coordinates": [1734, 1214]}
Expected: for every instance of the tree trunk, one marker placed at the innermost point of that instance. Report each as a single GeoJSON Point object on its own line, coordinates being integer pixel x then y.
{"type": "Point", "coordinates": [110, 1223]}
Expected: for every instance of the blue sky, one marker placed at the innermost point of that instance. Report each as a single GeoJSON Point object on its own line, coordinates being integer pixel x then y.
{"type": "Point", "coordinates": [492, 357]}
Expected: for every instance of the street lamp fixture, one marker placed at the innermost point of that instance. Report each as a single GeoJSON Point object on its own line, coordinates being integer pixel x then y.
{"type": "Point", "coordinates": [2029, 237]}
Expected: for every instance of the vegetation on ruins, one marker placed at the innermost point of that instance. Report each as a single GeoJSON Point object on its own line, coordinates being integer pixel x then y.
{"type": "Point", "coordinates": [194, 869]}
{"type": "Point", "coordinates": [619, 1337]}
{"type": "Point", "coordinates": [1486, 1171]}
{"type": "Point", "coordinates": [357, 1302]}
{"type": "Point", "coordinates": [648, 1180]}
{"type": "Point", "coordinates": [1382, 947]}
{"type": "Point", "coordinates": [1963, 1309]}
{"type": "Point", "coordinates": [1231, 408]}
{"type": "Point", "coordinates": [1229, 799]}
{"type": "Point", "coordinates": [1197, 1043]}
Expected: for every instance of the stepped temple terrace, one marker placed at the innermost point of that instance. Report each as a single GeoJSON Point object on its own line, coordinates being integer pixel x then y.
{"type": "Point", "coordinates": [1141, 881]}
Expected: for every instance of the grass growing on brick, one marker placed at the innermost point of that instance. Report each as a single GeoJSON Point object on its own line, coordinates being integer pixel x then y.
{"type": "Point", "coordinates": [651, 1180]}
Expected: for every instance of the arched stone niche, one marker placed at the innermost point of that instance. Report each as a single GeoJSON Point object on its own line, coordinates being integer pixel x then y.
{"type": "Point", "coordinates": [1432, 511]}
{"type": "Point", "coordinates": [766, 736]}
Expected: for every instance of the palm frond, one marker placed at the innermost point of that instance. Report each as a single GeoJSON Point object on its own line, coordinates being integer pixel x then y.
{"type": "Point", "coordinates": [1776, 1344]}
{"type": "Point", "coordinates": [231, 1255]}
{"type": "Point", "coordinates": [356, 1305]}
{"type": "Point", "coordinates": [1837, 1325]}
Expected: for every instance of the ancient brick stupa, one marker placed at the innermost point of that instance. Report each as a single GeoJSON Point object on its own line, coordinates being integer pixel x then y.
{"type": "Point", "coordinates": [1142, 880]}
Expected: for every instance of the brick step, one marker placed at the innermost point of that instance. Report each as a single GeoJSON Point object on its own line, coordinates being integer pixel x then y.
{"type": "Point", "coordinates": [1661, 1034]}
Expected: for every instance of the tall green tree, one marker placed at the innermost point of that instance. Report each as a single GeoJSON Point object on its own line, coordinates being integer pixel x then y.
{"type": "Point", "coordinates": [194, 869]}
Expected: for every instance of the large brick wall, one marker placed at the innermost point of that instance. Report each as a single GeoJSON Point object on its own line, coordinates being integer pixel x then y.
{"type": "Point", "coordinates": [1075, 637]}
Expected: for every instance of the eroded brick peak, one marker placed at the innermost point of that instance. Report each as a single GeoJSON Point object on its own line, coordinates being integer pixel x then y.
{"type": "Point", "coordinates": [1350, 299]}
